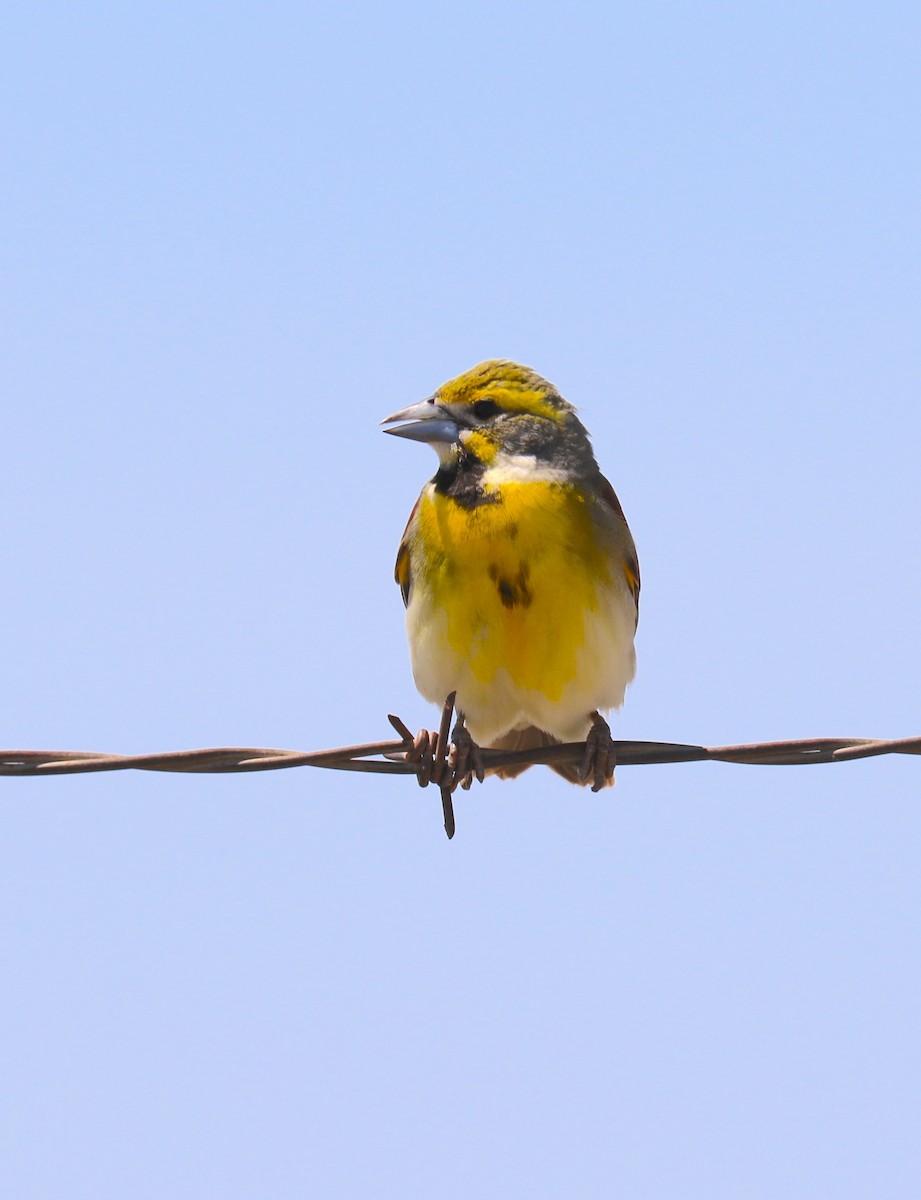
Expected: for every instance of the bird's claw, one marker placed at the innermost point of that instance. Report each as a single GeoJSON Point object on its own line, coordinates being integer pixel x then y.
{"type": "Point", "coordinates": [464, 758]}
{"type": "Point", "coordinates": [436, 761]}
{"type": "Point", "coordinates": [422, 752]}
{"type": "Point", "coordinates": [458, 767]}
{"type": "Point", "coordinates": [599, 759]}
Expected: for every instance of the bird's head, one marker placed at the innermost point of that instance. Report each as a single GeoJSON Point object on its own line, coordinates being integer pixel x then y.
{"type": "Point", "coordinates": [497, 410]}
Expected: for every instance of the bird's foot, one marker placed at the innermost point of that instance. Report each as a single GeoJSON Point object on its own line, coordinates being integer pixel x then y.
{"type": "Point", "coordinates": [446, 764]}
{"type": "Point", "coordinates": [599, 760]}
{"type": "Point", "coordinates": [428, 752]}
{"type": "Point", "coordinates": [464, 758]}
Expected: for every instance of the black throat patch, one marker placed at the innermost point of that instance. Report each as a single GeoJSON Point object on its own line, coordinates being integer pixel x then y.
{"type": "Point", "coordinates": [462, 480]}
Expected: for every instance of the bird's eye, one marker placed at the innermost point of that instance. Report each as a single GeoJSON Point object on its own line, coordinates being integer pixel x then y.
{"type": "Point", "coordinates": [484, 409]}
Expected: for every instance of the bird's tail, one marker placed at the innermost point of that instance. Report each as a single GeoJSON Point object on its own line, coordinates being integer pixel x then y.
{"type": "Point", "coordinates": [532, 738]}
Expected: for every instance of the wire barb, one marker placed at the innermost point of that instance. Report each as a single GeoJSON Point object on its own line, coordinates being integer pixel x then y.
{"type": "Point", "coordinates": [428, 756]}
{"type": "Point", "coordinates": [441, 748]}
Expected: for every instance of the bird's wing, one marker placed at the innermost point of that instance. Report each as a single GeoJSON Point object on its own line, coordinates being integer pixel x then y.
{"type": "Point", "coordinates": [612, 515]}
{"type": "Point", "coordinates": [402, 571]}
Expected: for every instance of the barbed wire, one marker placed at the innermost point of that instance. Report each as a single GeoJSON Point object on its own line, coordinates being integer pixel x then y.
{"type": "Point", "coordinates": [428, 756]}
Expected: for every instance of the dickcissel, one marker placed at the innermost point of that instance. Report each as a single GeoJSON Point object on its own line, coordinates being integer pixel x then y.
{"type": "Point", "coordinates": [517, 568]}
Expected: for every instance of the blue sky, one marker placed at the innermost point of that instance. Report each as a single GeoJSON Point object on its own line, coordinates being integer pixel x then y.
{"type": "Point", "coordinates": [235, 237]}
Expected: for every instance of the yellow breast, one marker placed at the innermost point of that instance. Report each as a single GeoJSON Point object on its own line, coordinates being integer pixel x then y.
{"type": "Point", "coordinates": [516, 578]}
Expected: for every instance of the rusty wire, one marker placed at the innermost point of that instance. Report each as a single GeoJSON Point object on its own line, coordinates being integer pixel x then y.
{"type": "Point", "coordinates": [428, 756]}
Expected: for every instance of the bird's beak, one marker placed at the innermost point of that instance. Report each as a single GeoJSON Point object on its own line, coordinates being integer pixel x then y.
{"type": "Point", "coordinates": [426, 422]}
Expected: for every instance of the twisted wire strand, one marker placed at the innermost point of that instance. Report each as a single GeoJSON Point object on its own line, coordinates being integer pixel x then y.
{"type": "Point", "coordinates": [390, 757]}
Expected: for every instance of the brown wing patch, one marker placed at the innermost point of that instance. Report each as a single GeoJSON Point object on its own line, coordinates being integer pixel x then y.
{"type": "Point", "coordinates": [631, 565]}
{"type": "Point", "coordinates": [632, 575]}
{"type": "Point", "coordinates": [402, 572]}
{"type": "Point", "coordinates": [609, 496]}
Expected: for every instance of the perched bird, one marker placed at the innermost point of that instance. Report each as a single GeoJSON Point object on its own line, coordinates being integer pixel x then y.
{"type": "Point", "coordinates": [517, 568]}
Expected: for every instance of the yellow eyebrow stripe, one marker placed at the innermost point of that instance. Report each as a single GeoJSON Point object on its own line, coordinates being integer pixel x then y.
{"type": "Point", "coordinates": [513, 387]}
{"type": "Point", "coordinates": [524, 401]}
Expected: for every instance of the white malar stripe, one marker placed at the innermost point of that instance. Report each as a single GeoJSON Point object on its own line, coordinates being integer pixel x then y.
{"type": "Point", "coordinates": [521, 468]}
